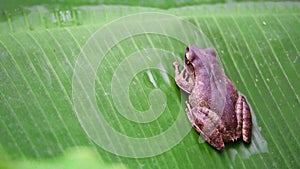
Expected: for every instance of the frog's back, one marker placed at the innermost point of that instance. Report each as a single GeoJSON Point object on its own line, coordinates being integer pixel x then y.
{"type": "Point", "coordinates": [229, 119]}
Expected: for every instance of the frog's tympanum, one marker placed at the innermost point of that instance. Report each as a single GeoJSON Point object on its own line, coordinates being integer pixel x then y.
{"type": "Point", "coordinates": [214, 107]}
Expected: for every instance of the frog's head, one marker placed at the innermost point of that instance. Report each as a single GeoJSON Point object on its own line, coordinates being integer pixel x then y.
{"type": "Point", "coordinates": [195, 57]}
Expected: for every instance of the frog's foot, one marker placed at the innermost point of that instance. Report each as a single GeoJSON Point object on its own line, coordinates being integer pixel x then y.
{"type": "Point", "coordinates": [216, 140]}
{"type": "Point", "coordinates": [244, 122]}
{"type": "Point", "coordinates": [202, 120]}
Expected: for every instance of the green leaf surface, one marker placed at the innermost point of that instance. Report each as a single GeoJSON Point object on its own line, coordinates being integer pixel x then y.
{"type": "Point", "coordinates": [258, 46]}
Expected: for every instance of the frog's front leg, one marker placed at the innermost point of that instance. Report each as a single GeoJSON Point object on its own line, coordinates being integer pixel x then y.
{"type": "Point", "coordinates": [206, 122]}
{"type": "Point", "coordinates": [182, 79]}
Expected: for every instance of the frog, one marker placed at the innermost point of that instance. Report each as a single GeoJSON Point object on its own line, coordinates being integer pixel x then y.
{"type": "Point", "coordinates": [214, 106]}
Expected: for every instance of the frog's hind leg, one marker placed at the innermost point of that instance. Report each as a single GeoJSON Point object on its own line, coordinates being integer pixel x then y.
{"type": "Point", "coordinates": [244, 122]}
{"type": "Point", "coordinates": [239, 116]}
{"type": "Point", "coordinates": [247, 122]}
{"type": "Point", "coordinates": [202, 120]}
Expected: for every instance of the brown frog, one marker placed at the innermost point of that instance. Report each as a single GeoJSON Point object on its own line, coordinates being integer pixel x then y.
{"type": "Point", "coordinates": [215, 108]}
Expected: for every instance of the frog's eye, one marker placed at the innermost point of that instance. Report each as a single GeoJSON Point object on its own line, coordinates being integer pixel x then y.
{"type": "Point", "coordinates": [186, 59]}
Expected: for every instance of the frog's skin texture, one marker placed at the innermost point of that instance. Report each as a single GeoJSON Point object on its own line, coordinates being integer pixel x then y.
{"type": "Point", "coordinates": [216, 125]}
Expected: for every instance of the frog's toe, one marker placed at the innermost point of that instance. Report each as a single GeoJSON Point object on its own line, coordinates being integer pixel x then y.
{"type": "Point", "coordinates": [175, 64]}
